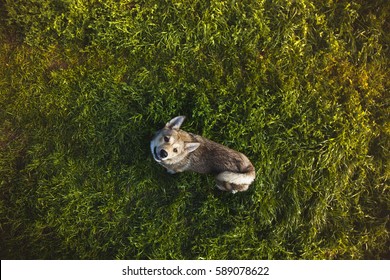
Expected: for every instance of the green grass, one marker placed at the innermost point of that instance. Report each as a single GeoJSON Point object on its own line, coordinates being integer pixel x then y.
{"type": "Point", "coordinates": [301, 87]}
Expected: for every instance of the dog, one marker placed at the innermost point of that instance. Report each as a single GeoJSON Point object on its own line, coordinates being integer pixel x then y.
{"type": "Point", "coordinates": [178, 151]}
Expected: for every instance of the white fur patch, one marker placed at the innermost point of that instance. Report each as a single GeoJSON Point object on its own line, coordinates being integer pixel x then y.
{"type": "Point", "coordinates": [235, 178]}
{"type": "Point", "coordinates": [153, 145]}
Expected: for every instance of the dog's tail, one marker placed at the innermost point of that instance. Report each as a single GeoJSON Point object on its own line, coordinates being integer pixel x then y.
{"type": "Point", "coordinates": [235, 182]}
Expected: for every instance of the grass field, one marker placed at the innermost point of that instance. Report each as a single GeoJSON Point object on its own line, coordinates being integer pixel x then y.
{"type": "Point", "coordinates": [301, 87]}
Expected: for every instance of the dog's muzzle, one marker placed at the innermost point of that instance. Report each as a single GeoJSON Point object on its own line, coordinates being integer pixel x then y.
{"type": "Point", "coordinates": [159, 156]}
{"type": "Point", "coordinates": [155, 155]}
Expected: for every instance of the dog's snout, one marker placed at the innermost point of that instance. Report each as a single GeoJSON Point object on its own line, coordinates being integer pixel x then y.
{"type": "Point", "coordinates": [163, 154]}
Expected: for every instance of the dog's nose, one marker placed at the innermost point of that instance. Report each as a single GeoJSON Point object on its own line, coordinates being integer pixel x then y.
{"type": "Point", "coordinates": [163, 154]}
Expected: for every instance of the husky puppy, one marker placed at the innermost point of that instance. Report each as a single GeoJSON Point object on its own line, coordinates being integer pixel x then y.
{"type": "Point", "coordinates": [178, 151]}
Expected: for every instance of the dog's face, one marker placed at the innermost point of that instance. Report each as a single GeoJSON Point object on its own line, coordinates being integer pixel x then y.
{"type": "Point", "coordinates": [167, 147]}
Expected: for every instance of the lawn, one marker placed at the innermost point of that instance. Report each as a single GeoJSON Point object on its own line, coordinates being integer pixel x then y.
{"type": "Point", "coordinates": [301, 87]}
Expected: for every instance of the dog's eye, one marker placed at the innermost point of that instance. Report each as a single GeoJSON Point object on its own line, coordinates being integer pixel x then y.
{"type": "Point", "coordinates": [166, 138]}
{"type": "Point", "coordinates": [175, 150]}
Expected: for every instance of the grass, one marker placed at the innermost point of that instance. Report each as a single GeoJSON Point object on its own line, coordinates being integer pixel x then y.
{"type": "Point", "coordinates": [301, 87]}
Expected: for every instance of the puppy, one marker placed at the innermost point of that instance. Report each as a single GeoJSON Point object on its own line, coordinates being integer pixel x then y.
{"type": "Point", "coordinates": [178, 151]}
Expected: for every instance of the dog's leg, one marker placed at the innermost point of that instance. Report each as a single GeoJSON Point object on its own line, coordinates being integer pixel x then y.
{"type": "Point", "coordinates": [235, 182]}
{"type": "Point", "coordinates": [225, 186]}
{"type": "Point", "coordinates": [220, 186]}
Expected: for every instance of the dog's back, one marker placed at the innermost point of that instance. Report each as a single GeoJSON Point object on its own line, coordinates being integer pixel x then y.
{"type": "Point", "coordinates": [233, 170]}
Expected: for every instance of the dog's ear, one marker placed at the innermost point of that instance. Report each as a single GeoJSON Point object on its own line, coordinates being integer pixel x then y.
{"type": "Point", "coordinates": [190, 147]}
{"type": "Point", "coordinates": [175, 123]}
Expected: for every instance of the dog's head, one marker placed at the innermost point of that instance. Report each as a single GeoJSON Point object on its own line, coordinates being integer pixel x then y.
{"type": "Point", "coordinates": [167, 146]}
